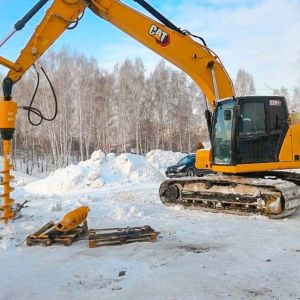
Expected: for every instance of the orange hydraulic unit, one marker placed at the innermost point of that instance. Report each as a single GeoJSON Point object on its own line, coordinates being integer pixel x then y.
{"type": "Point", "coordinates": [73, 219]}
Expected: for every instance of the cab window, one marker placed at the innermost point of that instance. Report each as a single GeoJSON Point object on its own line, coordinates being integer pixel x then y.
{"type": "Point", "coordinates": [252, 119]}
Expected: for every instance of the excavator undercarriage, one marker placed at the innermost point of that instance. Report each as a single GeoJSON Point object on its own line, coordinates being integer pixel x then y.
{"type": "Point", "coordinates": [274, 194]}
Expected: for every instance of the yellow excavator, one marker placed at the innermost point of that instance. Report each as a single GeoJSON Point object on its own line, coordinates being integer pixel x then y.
{"type": "Point", "coordinates": [251, 137]}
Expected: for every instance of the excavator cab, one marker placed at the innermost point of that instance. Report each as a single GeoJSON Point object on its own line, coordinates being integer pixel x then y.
{"type": "Point", "coordinates": [254, 136]}
{"type": "Point", "coordinates": [249, 130]}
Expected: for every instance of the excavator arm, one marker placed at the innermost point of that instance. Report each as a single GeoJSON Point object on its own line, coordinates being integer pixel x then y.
{"type": "Point", "coordinates": [178, 47]}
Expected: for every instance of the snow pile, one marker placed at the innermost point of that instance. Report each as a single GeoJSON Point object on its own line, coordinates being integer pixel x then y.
{"type": "Point", "coordinates": [161, 159]}
{"type": "Point", "coordinates": [106, 170]}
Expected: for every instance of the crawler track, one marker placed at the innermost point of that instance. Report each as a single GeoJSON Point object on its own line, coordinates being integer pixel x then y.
{"type": "Point", "coordinates": [275, 194]}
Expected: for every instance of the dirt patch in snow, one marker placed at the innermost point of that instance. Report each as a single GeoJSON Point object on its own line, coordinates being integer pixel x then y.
{"type": "Point", "coordinates": [259, 292]}
{"type": "Point", "coordinates": [196, 248]}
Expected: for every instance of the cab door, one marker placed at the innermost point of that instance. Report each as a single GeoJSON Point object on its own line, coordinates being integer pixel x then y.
{"type": "Point", "coordinates": [252, 132]}
{"type": "Point", "coordinates": [278, 125]}
{"type": "Point", "coordinates": [261, 128]}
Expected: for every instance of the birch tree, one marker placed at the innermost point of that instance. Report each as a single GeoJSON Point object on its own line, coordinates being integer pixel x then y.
{"type": "Point", "coordinates": [244, 84]}
{"type": "Point", "coordinates": [295, 100]}
{"type": "Point", "coordinates": [158, 96]}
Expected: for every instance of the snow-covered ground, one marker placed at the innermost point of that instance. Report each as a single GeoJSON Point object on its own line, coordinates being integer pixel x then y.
{"type": "Point", "coordinates": [198, 256]}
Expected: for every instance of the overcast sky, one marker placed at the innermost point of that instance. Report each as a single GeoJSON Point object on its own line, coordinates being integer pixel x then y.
{"type": "Point", "coordinates": [262, 37]}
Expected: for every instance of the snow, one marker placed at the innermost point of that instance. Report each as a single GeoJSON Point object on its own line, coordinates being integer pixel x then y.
{"type": "Point", "coordinates": [106, 170]}
{"type": "Point", "coordinates": [199, 255]}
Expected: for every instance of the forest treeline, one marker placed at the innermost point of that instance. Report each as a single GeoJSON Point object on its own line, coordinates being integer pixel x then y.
{"type": "Point", "coordinates": [127, 109]}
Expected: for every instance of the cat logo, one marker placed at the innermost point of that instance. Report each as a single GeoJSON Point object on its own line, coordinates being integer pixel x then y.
{"type": "Point", "coordinates": [162, 37]}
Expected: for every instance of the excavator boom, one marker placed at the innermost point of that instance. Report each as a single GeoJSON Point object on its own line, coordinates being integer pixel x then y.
{"type": "Point", "coordinates": [178, 47]}
{"type": "Point", "coordinates": [196, 60]}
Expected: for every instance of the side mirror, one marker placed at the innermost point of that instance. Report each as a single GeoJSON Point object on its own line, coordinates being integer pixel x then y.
{"type": "Point", "coordinates": [227, 115]}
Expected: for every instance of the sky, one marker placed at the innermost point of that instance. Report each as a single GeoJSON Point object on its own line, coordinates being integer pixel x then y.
{"type": "Point", "coordinates": [261, 36]}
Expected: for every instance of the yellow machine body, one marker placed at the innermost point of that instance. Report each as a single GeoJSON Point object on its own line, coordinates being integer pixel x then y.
{"type": "Point", "coordinates": [290, 150]}
{"type": "Point", "coordinates": [203, 159]}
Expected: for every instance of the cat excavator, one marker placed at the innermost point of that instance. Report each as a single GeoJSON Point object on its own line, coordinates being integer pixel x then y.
{"type": "Point", "coordinates": [255, 141]}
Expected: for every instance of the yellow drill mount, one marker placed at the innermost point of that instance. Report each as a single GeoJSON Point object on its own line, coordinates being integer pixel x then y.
{"type": "Point", "coordinates": [8, 112]}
